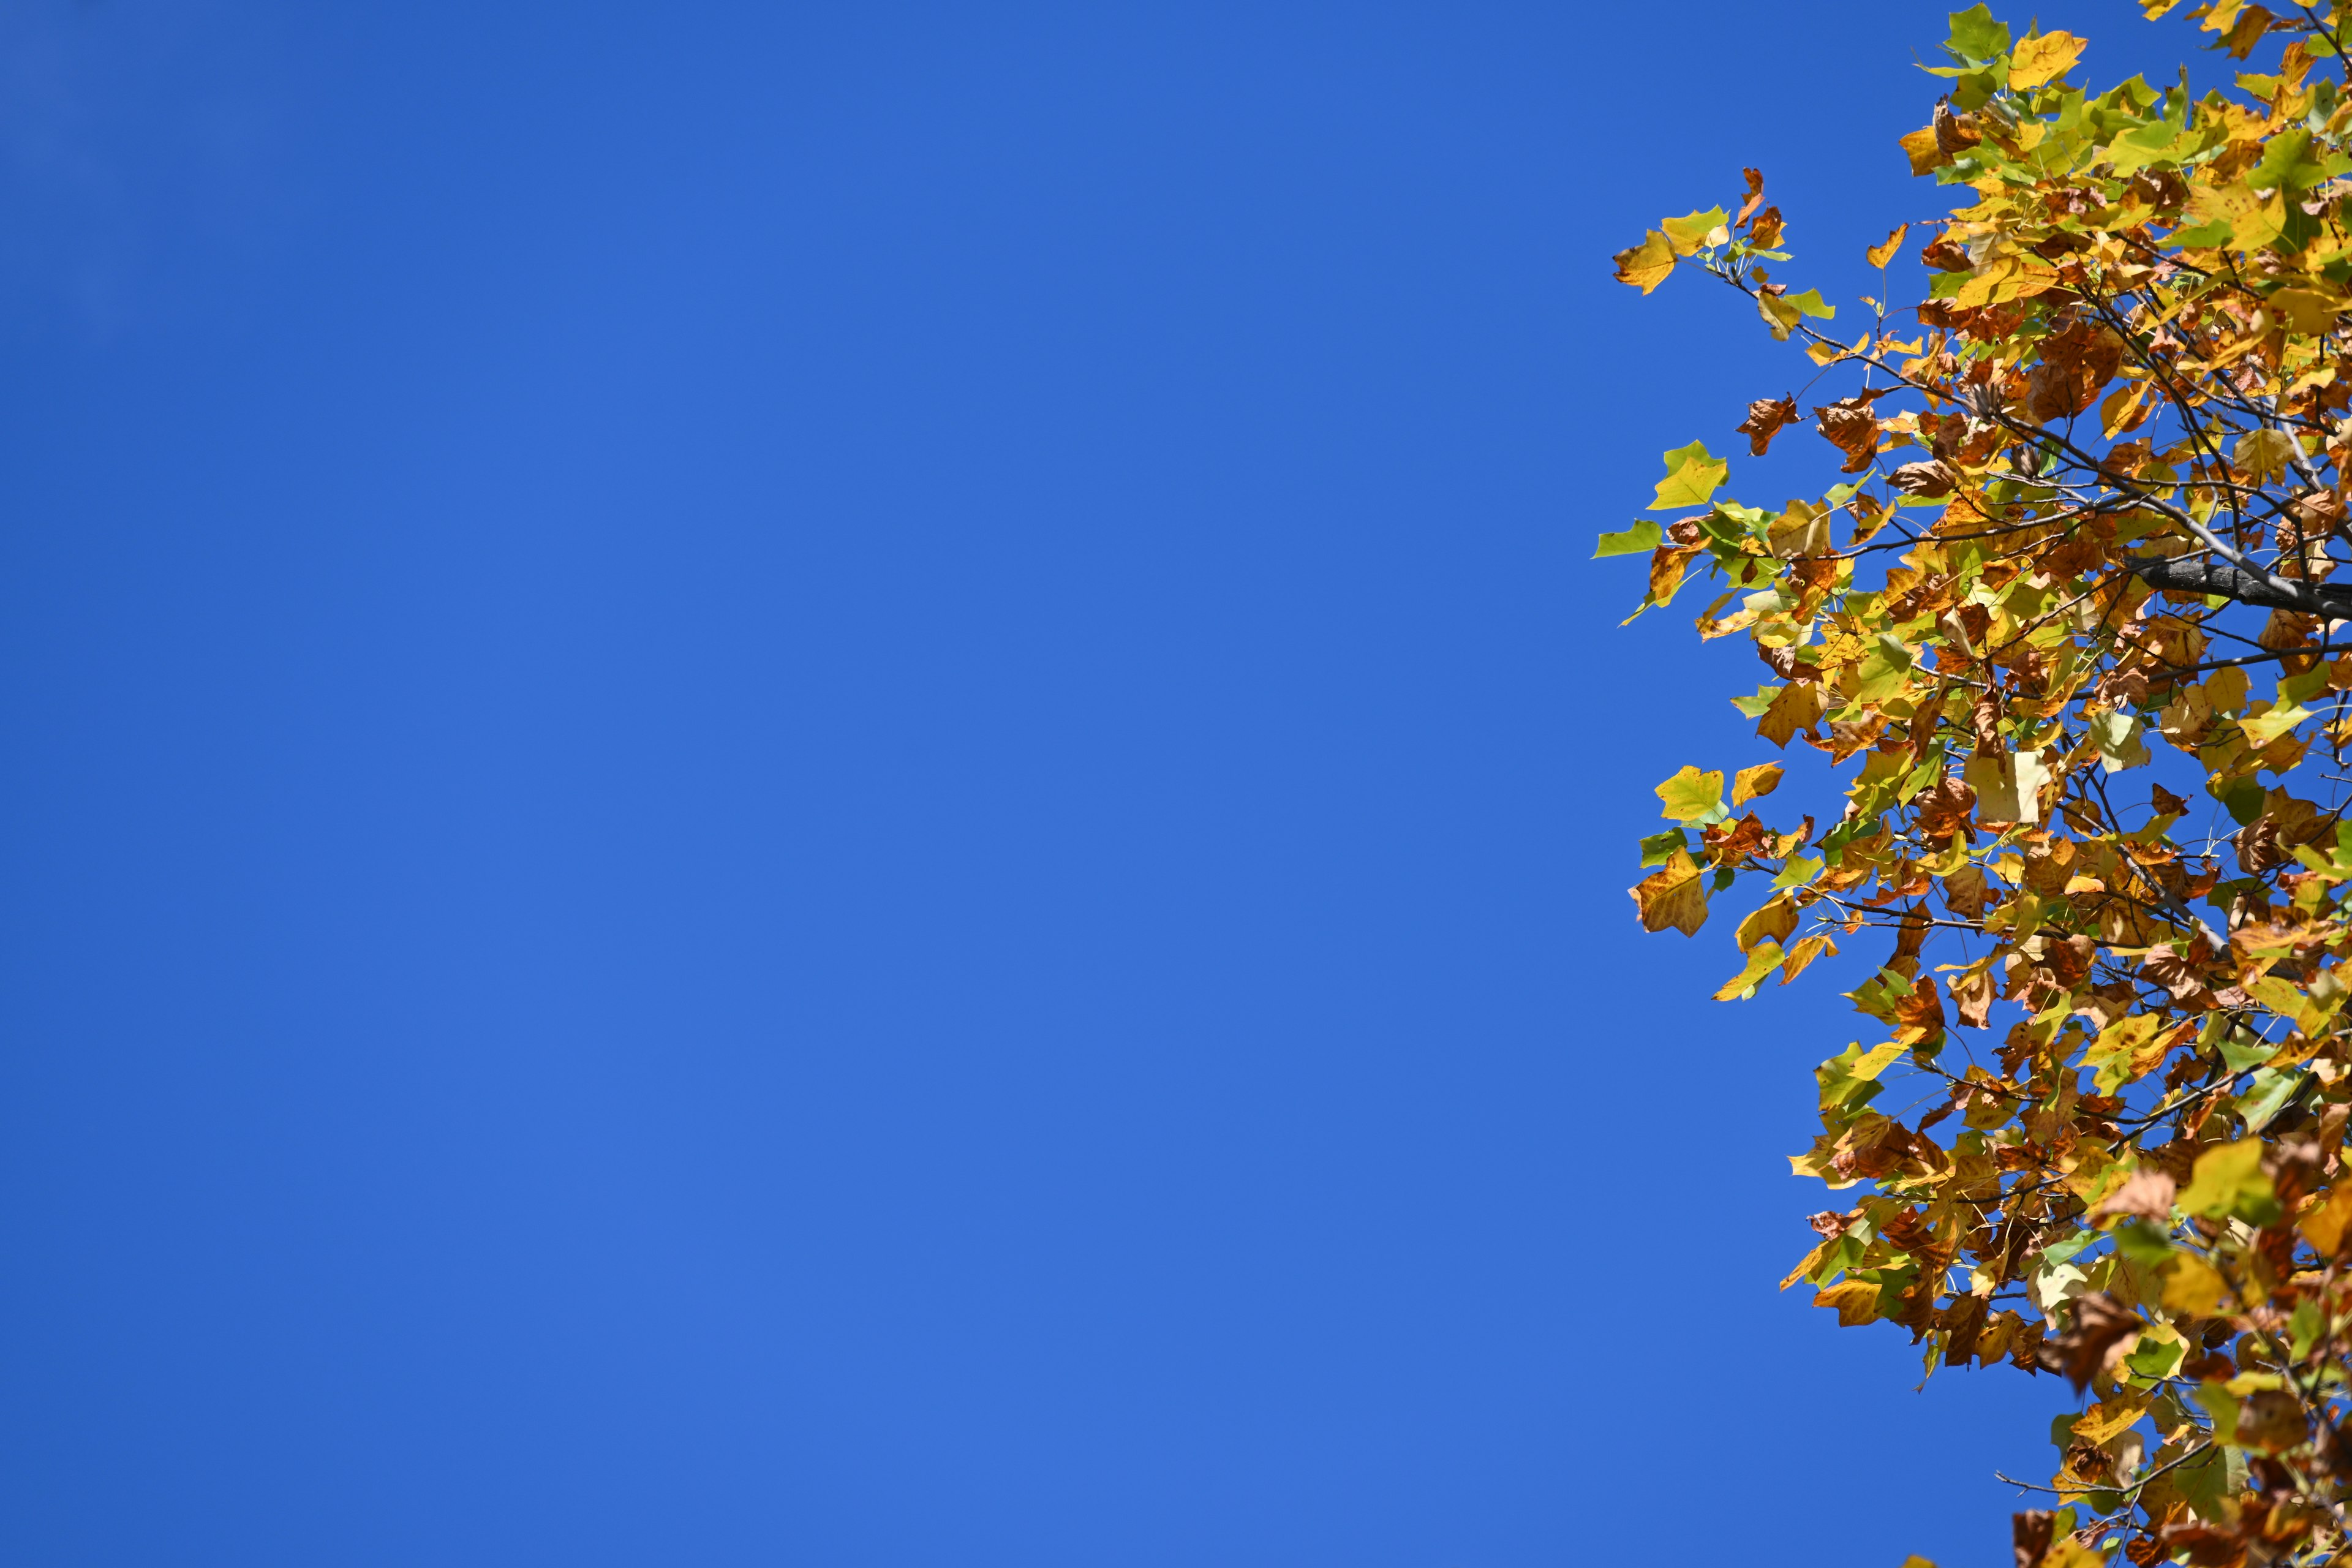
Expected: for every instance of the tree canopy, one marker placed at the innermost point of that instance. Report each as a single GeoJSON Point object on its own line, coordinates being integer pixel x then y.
{"type": "Point", "coordinates": [2066, 638]}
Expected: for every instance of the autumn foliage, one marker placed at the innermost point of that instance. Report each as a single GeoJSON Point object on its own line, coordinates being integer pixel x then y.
{"type": "Point", "coordinates": [2065, 637]}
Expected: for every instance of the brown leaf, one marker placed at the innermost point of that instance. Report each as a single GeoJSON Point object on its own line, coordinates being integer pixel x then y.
{"type": "Point", "coordinates": [1954, 131]}
{"type": "Point", "coordinates": [2102, 1324]}
{"type": "Point", "coordinates": [1764, 234]}
{"type": "Point", "coordinates": [2029, 1534]}
{"type": "Point", "coordinates": [1931, 479]}
{"type": "Point", "coordinates": [1754, 195]}
{"type": "Point", "coordinates": [1765, 417]}
{"type": "Point", "coordinates": [1850, 427]}
{"type": "Point", "coordinates": [2273, 1420]}
{"type": "Point", "coordinates": [1944, 810]}
{"type": "Point", "coordinates": [2145, 1195]}
{"type": "Point", "coordinates": [1972, 999]}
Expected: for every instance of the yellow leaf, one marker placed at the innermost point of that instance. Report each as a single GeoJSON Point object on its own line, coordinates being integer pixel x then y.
{"type": "Point", "coordinates": [1803, 953]}
{"type": "Point", "coordinates": [2110, 1418]}
{"type": "Point", "coordinates": [2193, 1288]}
{"type": "Point", "coordinates": [2265, 727]}
{"type": "Point", "coordinates": [2008, 785]}
{"type": "Point", "coordinates": [1693, 474]}
{"type": "Point", "coordinates": [2264, 454]}
{"type": "Point", "coordinates": [1676, 897]}
{"type": "Point", "coordinates": [2037, 60]}
{"type": "Point", "coordinates": [2127, 408]}
{"type": "Point", "coordinates": [1855, 1301]}
{"type": "Point", "coordinates": [2306, 311]}
{"type": "Point", "coordinates": [1773, 922]}
{"type": "Point", "coordinates": [1762, 959]}
{"type": "Point", "coordinates": [2071, 1553]}
{"type": "Point", "coordinates": [1646, 266]}
{"type": "Point", "coordinates": [1691, 794]}
{"type": "Point", "coordinates": [1880, 254]}
{"type": "Point", "coordinates": [1695, 232]}
{"type": "Point", "coordinates": [1755, 782]}
{"type": "Point", "coordinates": [2254, 223]}
{"type": "Point", "coordinates": [1926, 154]}
{"type": "Point", "coordinates": [2324, 1227]}
{"type": "Point", "coordinates": [2228, 1178]}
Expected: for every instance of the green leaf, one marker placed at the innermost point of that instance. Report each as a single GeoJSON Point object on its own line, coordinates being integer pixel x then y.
{"type": "Point", "coordinates": [2203, 1481]}
{"type": "Point", "coordinates": [1693, 474]}
{"type": "Point", "coordinates": [2229, 1180]}
{"type": "Point", "coordinates": [2304, 1328]}
{"type": "Point", "coordinates": [1851, 1076]}
{"type": "Point", "coordinates": [2222, 1407]}
{"type": "Point", "coordinates": [1976, 36]}
{"type": "Point", "coordinates": [1639, 540]}
{"type": "Point", "coordinates": [1800, 870]}
{"type": "Point", "coordinates": [2156, 1357]}
{"type": "Point", "coordinates": [1810, 303]}
{"type": "Point", "coordinates": [2142, 1242]}
{"type": "Point", "coordinates": [2065, 1251]}
{"type": "Point", "coordinates": [2287, 163]}
{"type": "Point", "coordinates": [2266, 1095]}
{"type": "Point", "coordinates": [2240, 1052]}
{"type": "Point", "coordinates": [1659, 848]}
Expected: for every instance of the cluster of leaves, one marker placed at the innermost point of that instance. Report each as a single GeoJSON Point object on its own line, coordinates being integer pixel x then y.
{"type": "Point", "coordinates": [2097, 489]}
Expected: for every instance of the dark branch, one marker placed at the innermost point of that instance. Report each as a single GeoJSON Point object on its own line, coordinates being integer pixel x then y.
{"type": "Point", "coordinates": [2203, 575]}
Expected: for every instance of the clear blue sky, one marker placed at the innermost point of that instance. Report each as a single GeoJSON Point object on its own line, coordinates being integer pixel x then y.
{"type": "Point", "coordinates": [842, 786]}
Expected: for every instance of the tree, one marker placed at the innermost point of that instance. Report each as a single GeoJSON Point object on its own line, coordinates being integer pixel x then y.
{"type": "Point", "coordinates": [2067, 640]}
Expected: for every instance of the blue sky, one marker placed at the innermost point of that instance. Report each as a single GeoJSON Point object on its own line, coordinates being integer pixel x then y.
{"type": "Point", "coordinates": [844, 786]}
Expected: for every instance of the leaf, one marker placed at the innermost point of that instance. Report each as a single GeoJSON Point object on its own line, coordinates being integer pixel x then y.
{"type": "Point", "coordinates": [1880, 254]}
{"type": "Point", "coordinates": [1646, 266]}
{"type": "Point", "coordinates": [2324, 1227]}
{"type": "Point", "coordinates": [2008, 785]}
{"type": "Point", "coordinates": [1674, 896]}
{"type": "Point", "coordinates": [1693, 476]}
{"type": "Point", "coordinates": [2253, 223]}
{"type": "Point", "coordinates": [2118, 738]}
{"type": "Point", "coordinates": [2229, 1181]}
{"type": "Point", "coordinates": [2037, 60]}
{"type": "Point", "coordinates": [1794, 707]}
{"type": "Point", "coordinates": [1976, 36]}
{"type": "Point", "coordinates": [1803, 955]}
{"type": "Point", "coordinates": [1855, 1301]}
{"type": "Point", "coordinates": [1762, 960]}
{"type": "Point", "coordinates": [2265, 727]}
{"type": "Point", "coordinates": [2287, 163]}
{"type": "Point", "coordinates": [2264, 454]}
{"type": "Point", "coordinates": [1692, 795]}
{"type": "Point", "coordinates": [1765, 416]}
{"type": "Point", "coordinates": [1925, 153]}
{"type": "Point", "coordinates": [2305, 311]}
{"type": "Point", "coordinates": [1639, 540]}
{"type": "Point", "coordinates": [1755, 782]}
{"type": "Point", "coordinates": [2110, 1418]}
{"type": "Point", "coordinates": [1693, 231]}
{"type": "Point", "coordinates": [1851, 1076]}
